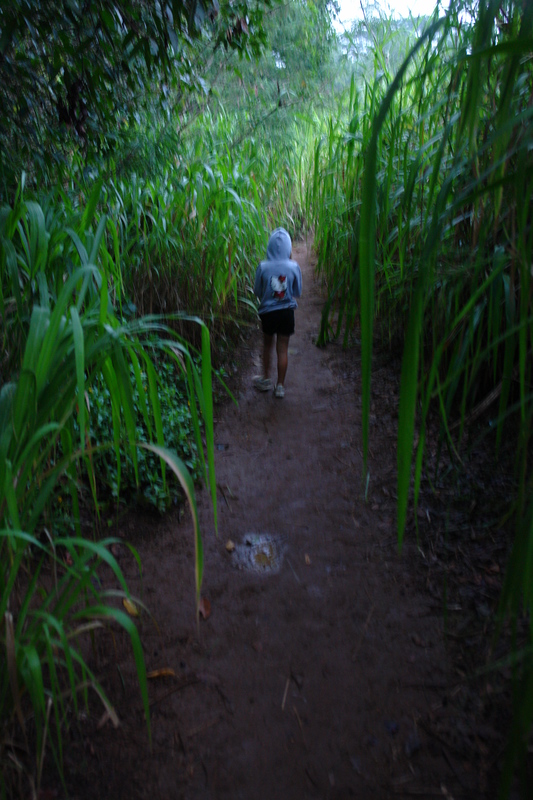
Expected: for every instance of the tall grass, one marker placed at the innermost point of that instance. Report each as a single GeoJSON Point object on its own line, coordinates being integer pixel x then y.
{"type": "Point", "coordinates": [190, 238]}
{"type": "Point", "coordinates": [61, 333]}
{"type": "Point", "coordinates": [422, 213]}
{"type": "Point", "coordinates": [98, 279]}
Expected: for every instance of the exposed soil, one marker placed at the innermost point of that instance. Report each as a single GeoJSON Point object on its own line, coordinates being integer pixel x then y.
{"type": "Point", "coordinates": [328, 678]}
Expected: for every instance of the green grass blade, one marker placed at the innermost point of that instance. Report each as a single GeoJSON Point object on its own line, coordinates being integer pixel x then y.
{"type": "Point", "coordinates": [207, 391]}
{"type": "Point", "coordinates": [181, 472]}
{"type": "Point", "coordinates": [79, 352]}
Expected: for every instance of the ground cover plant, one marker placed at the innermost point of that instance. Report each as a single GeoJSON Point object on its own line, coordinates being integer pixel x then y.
{"type": "Point", "coordinates": [420, 223]}
{"type": "Point", "coordinates": [178, 435]}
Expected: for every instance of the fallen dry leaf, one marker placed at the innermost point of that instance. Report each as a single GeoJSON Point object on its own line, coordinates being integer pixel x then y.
{"type": "Point", "coordinates": [165, 672]}
{"type": "Point", "coordinates": [230, 546]}
{"type": "Point", "coordinates": [307, 560]}
{"type": "Point", "coordinates": [130, 607]}
{"type": "Point", "coordinates": [204, 608]}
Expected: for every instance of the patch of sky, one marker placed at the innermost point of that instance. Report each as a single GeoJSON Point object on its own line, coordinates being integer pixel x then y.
{"type": "Point", "coordinates": [352, 10]}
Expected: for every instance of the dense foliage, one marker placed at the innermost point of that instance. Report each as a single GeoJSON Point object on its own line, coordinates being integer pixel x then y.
{"type": "Point", "coordinates": [145, 151]}
{"type": "Point", "coordinates": [129, 188]}
{"type": "Point", "coordinates": [62, 336]}
{"type": "Point", "coordinates": [422, 217]}
{"type": "Point", "coordinates": [78, 75]}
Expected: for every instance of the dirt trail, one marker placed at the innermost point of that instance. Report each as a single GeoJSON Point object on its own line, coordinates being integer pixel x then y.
{"type": "Point", "coordinates": [317, 681]}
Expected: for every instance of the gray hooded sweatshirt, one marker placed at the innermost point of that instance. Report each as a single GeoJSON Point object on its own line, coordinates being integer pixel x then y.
{"type": "Point", "coordinates": [278, 280]}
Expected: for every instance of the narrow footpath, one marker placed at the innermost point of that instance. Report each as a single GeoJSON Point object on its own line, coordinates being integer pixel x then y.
{"type": "Point", "coordinates": [320, 668]}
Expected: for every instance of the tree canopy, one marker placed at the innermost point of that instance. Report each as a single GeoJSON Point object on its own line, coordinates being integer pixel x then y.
{"type": "Point", "coordinates": [74, 73]}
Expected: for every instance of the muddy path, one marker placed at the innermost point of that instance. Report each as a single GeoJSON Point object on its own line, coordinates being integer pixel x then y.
{"type": "Point", "coordinates": [323, 672]}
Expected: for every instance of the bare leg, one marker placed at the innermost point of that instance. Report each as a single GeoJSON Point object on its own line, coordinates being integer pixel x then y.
{"type": "Point", "coordinates": [268, 341]}
{"type": "Point", "coordinates": [282, 349]}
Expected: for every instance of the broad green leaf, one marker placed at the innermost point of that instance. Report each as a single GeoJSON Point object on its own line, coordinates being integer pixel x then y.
{"type": "Point", "coordinates": [82, 252]}
{"type": "Point", "coordinates": [181, 472]}
{"type": "Point", "coordinates": [89, 212]}
{"type": "Point", "coordinates": [79, 352]}
{"type": "Point", "coordinates": [97, 239]}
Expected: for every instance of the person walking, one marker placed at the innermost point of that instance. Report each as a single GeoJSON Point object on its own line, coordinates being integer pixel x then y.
{"type": "Point", "coordinates": [278, 282]}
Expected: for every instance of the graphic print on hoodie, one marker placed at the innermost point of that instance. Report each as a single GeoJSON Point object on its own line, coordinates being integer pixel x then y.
{"type": "Point", "coordinates": [278, 286]}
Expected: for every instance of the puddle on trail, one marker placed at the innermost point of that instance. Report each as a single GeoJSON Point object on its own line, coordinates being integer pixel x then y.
{"type": "Point", "coordinates": [259, 552]}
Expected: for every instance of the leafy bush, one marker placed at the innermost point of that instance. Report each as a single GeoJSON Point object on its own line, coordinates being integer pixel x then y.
{"type": "Point", "coordinates": [178, 436]}
{"type": "Point", "coordinates": [65, 338]}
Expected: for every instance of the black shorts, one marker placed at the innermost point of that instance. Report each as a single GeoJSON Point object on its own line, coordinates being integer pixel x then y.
{"type": "Point", "coordinates": [281, 322]}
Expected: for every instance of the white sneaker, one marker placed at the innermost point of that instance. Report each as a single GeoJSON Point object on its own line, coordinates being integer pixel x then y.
{"type": "Point", "coordinates": [262, 384]}
{"type": "Point", "coordinates": [279, 391]}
